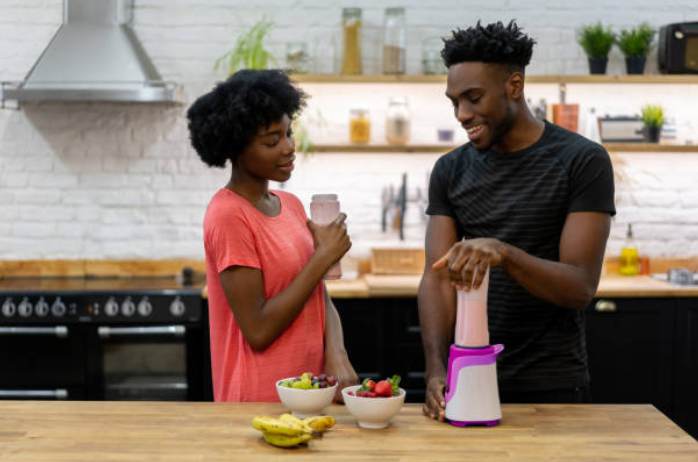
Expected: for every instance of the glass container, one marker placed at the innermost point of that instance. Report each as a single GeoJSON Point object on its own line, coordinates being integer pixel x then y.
{"type": "Point", "coordinates": [394, 41]}
{"type": "Point", "coordinates": [397, 129]}
{"type": "Point", "coordinates": [432, 63]}
{"type": "Point", "coordinates": [297, 57]}
{"type": "Point", "coordinates": [351, 29]}
{"type": "Point", "coordinates": [359, 125]}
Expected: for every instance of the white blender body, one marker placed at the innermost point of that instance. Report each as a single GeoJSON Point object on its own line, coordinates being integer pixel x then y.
{"type": "Point", "coordinates": [472, 394]}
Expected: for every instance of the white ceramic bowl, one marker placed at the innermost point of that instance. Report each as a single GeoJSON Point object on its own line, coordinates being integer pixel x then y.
{"type": "Point", "coordinates": [305, 403]}
{"type": "Point", "coordinates": [372, 412]}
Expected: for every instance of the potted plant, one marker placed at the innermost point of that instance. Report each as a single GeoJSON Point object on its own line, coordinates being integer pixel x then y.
{"type": "Point", "coordinates": [652, 119]}
{"type": "Point", "coordinates": [596, 41]}
{"type": "Point", "coordinates": [635, 45]}
{"type": "Point", "coordinates": [248, 51]}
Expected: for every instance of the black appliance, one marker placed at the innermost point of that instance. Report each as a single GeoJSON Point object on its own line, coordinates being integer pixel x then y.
{"type": "Point", "coordinates": [678, 48]}
{"type": "Point", "coordinates": [103, 339]}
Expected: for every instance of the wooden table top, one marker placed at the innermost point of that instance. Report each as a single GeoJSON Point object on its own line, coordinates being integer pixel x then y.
{"type": "Point", "coordinates": [374, 285]}
{"type": "Point", "coordinates": [157, 431]}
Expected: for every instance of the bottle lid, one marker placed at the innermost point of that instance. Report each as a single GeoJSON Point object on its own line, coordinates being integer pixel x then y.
{"type": "Point", "coordinates": [630, 230]}
{"type": "Point", "coordinates": [323, 197]}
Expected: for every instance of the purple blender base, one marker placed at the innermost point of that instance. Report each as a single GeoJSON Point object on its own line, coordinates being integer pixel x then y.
{"type": "Point", "coordinates": [487, 423]}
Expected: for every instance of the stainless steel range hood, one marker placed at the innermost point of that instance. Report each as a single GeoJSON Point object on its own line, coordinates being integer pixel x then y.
{"type": "Point", "coordinates": [94, 56]}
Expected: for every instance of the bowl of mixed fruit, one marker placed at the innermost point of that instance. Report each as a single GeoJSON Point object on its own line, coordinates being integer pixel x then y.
{"type": "Point", "coordinates": [373, 404]}
{"type": "Point", "coordinates": [308, 394]}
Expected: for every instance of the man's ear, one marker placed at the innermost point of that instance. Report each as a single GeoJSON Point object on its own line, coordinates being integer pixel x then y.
{"type": "Point", "coordinates": [515, 85]}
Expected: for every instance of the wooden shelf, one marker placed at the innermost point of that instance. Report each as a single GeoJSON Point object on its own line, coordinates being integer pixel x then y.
{"type": "Point", "coordinates": [430, 148]}
{"type": "Point", "coordinates": [552, 79]}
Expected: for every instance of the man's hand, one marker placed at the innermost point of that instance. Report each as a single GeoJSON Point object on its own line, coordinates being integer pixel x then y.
{"type": "Point", "coordinates": [339, 366]}
{"type": "Point", "coordinates": [471, 257]}
{"type": "Point", "coordinates": [435, 403]}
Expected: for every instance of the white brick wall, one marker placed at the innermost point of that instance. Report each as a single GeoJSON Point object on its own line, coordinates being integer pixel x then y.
{"type": "Point", "coordinates": [120, 181]}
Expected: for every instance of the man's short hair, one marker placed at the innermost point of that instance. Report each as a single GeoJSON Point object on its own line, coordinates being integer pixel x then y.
{"type": "Point", "coordinates": [494, 43]}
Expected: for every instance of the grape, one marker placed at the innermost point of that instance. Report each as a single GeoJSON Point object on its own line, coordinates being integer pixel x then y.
{"type": "Point", "coordinates": [331, 381]}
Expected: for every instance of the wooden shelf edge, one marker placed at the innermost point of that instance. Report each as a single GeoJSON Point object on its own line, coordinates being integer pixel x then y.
{"type": "Point", "coordinates": [436, 148]}
{"type": "Point", "coordinates": [549, 79]}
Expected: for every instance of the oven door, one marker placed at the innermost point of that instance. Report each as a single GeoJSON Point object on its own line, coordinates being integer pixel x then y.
{"type": "Point", "coordinates": [151, 362]}
{"type": "Point", "coordinates": [42, 362]}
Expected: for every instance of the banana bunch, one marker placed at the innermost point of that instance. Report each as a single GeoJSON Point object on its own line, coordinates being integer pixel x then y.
{"type": "Point", "coordinates": [289, 431]}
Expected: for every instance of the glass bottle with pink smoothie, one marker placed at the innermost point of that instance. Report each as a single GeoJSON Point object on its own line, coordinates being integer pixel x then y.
{"type": "Point", "coordinates": [324, 208]}
{"type": "Point", "coordinates": [471, 317]}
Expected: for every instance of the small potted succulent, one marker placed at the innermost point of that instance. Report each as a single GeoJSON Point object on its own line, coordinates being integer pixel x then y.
{"type": "Point", "coordinates": [635, 45]}
{"type": "Point", "coordinates": [596, 41]}
{"type": "Point", "coordinates": [652, 120]}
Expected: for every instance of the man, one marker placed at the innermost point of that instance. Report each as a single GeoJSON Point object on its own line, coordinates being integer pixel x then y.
{"type": "Point", "coordinates": [530, 200]}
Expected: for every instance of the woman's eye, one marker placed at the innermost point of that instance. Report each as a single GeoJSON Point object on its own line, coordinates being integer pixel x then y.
{"type": "Point", "coordinates": [271, 145]}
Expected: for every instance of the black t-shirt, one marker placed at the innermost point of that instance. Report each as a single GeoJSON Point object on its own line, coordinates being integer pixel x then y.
{"type": "Point", "coordinates": [522, 198]}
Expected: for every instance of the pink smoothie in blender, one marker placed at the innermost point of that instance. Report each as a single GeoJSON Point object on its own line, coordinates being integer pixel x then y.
{"type": "Point", "coordinates": [471, 316]}
{"type": "Point", "coordinates": [472, 393]}
{"type": "Point", "coordinates": [324, 208]}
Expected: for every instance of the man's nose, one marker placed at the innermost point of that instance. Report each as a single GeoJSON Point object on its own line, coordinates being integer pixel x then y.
{"type": "Point", "coordinates": [464, 114]}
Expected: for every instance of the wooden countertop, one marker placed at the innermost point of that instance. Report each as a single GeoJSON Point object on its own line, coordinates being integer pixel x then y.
{"type": "Point", "coordinates": [150, 431]}
{"type": "Point", "coordinates": [373, 285]}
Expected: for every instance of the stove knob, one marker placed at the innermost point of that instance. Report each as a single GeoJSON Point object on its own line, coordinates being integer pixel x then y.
{"type": "Point", "coordinates": [58, 308]}
{"type": "Point", "coordinates": [41, 308]}
{"type": "Point", "coordinates": [145, 307]}
{"type": "Point", "coordinates": [111, 308]}
{"type": "Point", "coordinates": [8, 308]}
{"type": "Point", "coordinates": [128, 307]}
{"type": "Point", "coordinates": [25, 308]}
{"type": "Point", "coordinates": [177, 307]}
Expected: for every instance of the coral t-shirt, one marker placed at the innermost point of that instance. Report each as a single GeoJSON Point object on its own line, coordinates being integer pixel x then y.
{"type": "Point", "coordinates": [237, 234]}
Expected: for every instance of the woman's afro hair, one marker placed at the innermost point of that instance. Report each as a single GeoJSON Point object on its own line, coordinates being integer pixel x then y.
{"type": "Point", "coordinates": [225, 120]}
{"type": "Point", "coordinates": [494, 43]}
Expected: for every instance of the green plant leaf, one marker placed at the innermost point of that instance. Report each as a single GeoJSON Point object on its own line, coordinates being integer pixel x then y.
{"type": "Point", "coordinates": [596, 40]}
{"type": "Point", "coordinates": [636, 42]}
{"type": "Point", "coordinates": [248, 51]}
{"type": "Point", "coordinates": [652, 116]}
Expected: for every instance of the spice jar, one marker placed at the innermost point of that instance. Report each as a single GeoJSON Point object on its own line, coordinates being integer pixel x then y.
{"type": "Point", "coordinates": [351, 28]}
{"type": "Point", "coordinates": [394, 41]}
{"type": "Point", "coordinates": [397, 128]}
{"type": "Point", "coordinates": [359, 125]}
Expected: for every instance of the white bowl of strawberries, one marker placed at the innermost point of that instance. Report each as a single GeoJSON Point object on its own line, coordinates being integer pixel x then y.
{"type": "Point", "coordinates": [373, 404]}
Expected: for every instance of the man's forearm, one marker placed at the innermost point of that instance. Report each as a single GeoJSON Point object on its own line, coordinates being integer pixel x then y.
{"type": "Point", "coordinates": [437, 313]}
{"type": "Point", "coordinates": [558, 283]}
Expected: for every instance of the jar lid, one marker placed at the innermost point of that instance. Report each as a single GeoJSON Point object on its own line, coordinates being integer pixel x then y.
{"type": "Point", "coordinates": [397, 100]}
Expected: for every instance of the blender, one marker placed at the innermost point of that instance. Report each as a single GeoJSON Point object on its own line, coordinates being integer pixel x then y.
{"type": "Point", "coordinates": [472, 394]}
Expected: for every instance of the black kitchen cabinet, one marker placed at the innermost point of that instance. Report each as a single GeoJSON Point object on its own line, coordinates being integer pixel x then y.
{"type": "Point", "coordinates": [630, 347]}
{"type": "Point", "coordinates": [686, 371]}
{"type": "Point", "coordinates": [382, 338]}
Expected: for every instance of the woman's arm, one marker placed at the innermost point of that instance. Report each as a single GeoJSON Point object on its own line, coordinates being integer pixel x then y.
{"type": "Point", "coordinates": [336, 359]}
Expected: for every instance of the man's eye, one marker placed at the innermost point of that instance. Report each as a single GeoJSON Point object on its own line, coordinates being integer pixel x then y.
{"type": "Point", "coordinates": [475, 100]}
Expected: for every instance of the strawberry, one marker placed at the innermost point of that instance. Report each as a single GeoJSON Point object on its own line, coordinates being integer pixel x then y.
{"type": "Point", "coordinates": [384, 388]}
{"type": "Point", "coordinates": [370, 394]}
{"type": "Point", "coordinates": [371, 384]}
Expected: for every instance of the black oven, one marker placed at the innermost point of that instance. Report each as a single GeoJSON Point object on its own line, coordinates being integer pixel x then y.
{"type": "Point", "coordinates": [142, 339]}
{"type": "Point", "coordinates": [678, 48]}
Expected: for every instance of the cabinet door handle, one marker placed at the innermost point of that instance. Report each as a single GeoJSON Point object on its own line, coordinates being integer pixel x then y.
{"type": "Point", "coordinates": [605, 306]}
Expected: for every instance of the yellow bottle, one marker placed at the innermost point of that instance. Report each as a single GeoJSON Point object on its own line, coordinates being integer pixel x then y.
{"type": "Point", "coordinates": [629, 261]}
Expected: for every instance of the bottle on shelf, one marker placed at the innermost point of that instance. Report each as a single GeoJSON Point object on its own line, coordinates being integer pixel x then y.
{"type": "Point", "coordinates": [359, 125]}
{"type": "Point", "coordinates": [397, 128]}
{"type": "Point", "coordinates": [394, 43]}
{"type": "Point", "coordinates": [629, 260]}
{"type": "Point", "coordinates": [351, 26]}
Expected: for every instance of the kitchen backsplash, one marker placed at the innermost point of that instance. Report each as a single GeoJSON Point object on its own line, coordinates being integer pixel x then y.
{"type": "Point", "coordinates": [120, 181]}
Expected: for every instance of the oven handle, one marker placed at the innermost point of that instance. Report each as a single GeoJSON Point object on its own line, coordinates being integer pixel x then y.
{"type": "Point", "coordinates": [60, 393]}
{"type": "Point", "coordinates": [58, 331]}
{"type": "Point", "coordinates": [107, 332]}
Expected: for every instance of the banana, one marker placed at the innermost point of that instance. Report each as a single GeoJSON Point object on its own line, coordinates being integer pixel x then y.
{"type": "Point", "coordinates": [319, 422]}
{"type": "Point", "coordinates": [285, 441]}
{"type": "Point", "coordinates": [290, 418]}
{"type": "Point", "coordinates": [279, 427]}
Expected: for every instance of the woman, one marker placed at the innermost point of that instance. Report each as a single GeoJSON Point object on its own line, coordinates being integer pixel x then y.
{"type": "Point", "coordinates": [270, 315]}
